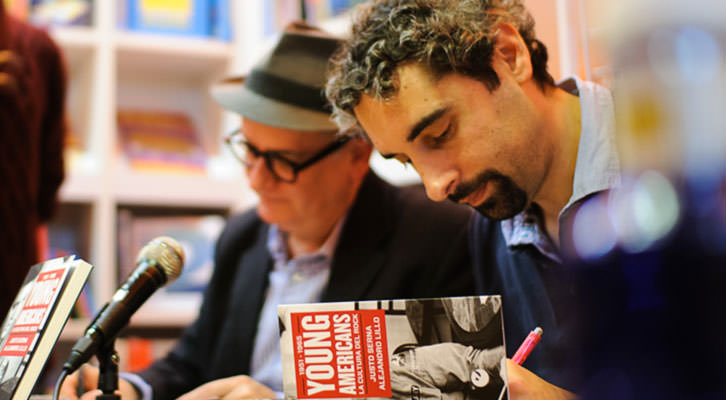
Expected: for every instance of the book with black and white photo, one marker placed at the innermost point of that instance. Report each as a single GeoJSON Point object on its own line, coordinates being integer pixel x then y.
{"type": "Point", "coordinates": [406, 349]}
{"type": "Point", "coordinates": [35, 320]}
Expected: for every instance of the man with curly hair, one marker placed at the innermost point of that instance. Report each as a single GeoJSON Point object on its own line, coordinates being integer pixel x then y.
{"type": "Point", "coordinates": [459, 89]}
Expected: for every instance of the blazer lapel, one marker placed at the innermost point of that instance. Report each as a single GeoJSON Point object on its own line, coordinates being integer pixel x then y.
{"type": "Point", "coordinates": [247, 299]}
{"type": "Point", "coordinates": [361, 253]}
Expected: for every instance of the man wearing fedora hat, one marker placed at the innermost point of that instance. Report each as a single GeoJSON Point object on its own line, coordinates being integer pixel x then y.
{"type": "Point", "coordinates": [325, 229]}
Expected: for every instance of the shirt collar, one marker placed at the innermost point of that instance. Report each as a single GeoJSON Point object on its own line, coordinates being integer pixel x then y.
{"type": "Point", "coordinates": [277, 239]}
{"type": "Point", "coordinates": [597, 166]}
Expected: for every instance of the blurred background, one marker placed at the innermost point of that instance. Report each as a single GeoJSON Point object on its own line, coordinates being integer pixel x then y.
{"type": "Point", "coordinates": [145, 156]}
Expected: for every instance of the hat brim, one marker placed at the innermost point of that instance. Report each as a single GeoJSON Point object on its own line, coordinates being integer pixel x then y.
{"type": "Point", "coordinates": [234, 96]}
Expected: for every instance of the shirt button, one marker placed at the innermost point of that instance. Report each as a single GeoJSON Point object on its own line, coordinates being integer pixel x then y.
{"type": "Point", "coordinates": [297, 277]}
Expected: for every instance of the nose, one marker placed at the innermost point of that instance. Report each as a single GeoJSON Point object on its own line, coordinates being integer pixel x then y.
{"type": "Point", "coordinates": [439, 183]}
{"type": "Point", "coordinates": [258, 174]}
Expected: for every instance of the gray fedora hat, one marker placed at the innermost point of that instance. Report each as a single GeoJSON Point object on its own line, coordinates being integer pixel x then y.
{"type": "Point", "coordinates": [286, 88]}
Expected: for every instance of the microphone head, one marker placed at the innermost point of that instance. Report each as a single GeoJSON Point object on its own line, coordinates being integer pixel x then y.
{"type": "Point", "coordinates": [168, 255]}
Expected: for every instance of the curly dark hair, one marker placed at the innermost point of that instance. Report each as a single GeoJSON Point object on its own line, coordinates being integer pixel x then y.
{"type": "Point", "coordinates": [445, 35]}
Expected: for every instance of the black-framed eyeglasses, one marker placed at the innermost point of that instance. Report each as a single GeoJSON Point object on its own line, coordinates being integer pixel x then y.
{"type": "Point", "coordinates": [282, 168]}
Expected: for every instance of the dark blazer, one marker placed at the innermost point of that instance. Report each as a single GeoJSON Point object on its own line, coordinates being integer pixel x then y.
{"type": "Point", "coordinates": [395, 243]}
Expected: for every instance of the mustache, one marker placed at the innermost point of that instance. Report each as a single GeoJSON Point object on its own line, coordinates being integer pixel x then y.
{"type": "Point", "coordinates": [467, 188]}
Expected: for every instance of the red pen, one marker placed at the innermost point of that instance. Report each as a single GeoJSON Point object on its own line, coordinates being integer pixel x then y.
{"type": "Point", "coordinates": [526, 347]}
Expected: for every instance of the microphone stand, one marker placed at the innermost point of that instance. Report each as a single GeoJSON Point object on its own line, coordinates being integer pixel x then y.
{"type": "Point", "coordinates": [108, 372]}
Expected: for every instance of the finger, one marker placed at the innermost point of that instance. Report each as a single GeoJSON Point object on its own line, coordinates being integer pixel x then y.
{"type": "Point", "coordinates": [210, 390]}
{"type": "Point", "coordinates": [68, 388]}
{"type": "Point", "coordinates": [515, 379]}
{"type": "Point", "coordinates": [91, 395]}
{"type": "Point", "coordinates": [90, 377]}
{"type": "Point", "coordinates": [248, 388]}
{"type": "Point", "coordinates": [254, 390]}
{"type": "Point", "coordinates": [239, 392]}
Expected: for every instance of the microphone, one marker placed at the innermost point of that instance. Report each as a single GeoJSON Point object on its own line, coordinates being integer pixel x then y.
{"type": "Point", "coordinates": [158, 263]}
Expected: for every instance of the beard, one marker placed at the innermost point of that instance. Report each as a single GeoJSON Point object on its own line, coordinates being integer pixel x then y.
{"type": "Point", "coordinates": [507, 198]}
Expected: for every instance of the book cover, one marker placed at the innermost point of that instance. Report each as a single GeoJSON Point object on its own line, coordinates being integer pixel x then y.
{"type": "Point", "coordinates": [35, 320]}
{"type": "Point", "coordinates": [174, 17]}
{"type": "Point", "coordinates": [160, 141]}
{"type": "Point", "coordinates": [138, 353]}
{"type": "Point", "coordinates": [61, 12]}
{"type": "Point", "coordinates": [405, 349]}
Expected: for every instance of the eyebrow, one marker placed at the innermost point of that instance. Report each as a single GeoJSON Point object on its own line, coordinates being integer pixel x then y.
{"type": "Point", "coordinates": [293, 153]}
{"type": "Point", "coordinates": [286, 153]}
{"type": "Point", "coordinates": [425, 122]}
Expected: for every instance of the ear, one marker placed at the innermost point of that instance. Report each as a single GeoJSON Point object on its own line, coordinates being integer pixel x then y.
{"type": "Point", "coordinates": [512, 51]}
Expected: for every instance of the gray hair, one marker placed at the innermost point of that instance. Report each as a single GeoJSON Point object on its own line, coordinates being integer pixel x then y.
{"type": "Point", "coordinates": [444, 35]}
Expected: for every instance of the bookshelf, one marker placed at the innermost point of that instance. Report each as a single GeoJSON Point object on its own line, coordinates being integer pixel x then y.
{"type": "Point", "coordinates": [110, 68]}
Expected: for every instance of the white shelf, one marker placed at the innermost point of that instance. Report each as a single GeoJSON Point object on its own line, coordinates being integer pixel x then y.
{"type": "Point", "coordinates": [108, 70]}
{"type": "Point", "coordinates": [190, 46]}
{"type": "Point", "coordinates": [172, 190]}
{"type": "Point", "coordinates": [79, 38]}
{"type": "Point", "coordinates": [172, 56]}
{"type": "Point", "coordinates": [80, 188]}
{"type": "Point", "coordinates": [149, 318]}
{"type": "Point", "coordinates": [167, 310]}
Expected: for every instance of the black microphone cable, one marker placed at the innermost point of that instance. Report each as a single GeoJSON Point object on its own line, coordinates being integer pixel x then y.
{"type": "Point", "coordinates": [62, 377]}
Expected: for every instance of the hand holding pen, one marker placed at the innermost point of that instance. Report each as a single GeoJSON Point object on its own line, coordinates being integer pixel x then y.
{"type": "Point", "coordinates": [522, 383]}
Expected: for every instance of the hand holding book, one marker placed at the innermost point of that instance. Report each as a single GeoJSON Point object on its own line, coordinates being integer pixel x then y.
{"type": "Point", "coordinates": [35, 320]}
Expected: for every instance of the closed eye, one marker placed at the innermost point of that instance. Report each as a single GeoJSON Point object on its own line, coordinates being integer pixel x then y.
{"type": "Point", "coordinates": [443, 136]}
{"type": "Point", "coordinates": [398, 157]}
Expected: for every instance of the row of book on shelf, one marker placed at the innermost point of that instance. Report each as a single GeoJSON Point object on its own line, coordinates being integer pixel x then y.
{"type": "Point", "coordinates": [197, 234]}
{"type": "Point", "coordinates": [152, 141]}
{"type": "Point", "coordinates": [160, 141]}
{"type": "Point", "coordinates": [201, 18]}
{"type": "Point", "coordinates": [205, 18]}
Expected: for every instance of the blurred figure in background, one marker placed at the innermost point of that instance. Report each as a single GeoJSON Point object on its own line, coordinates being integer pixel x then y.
{"type": "Point", "coordinates": [652, 253]}
{"type": "Point", "coordinates": [32, 132]}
